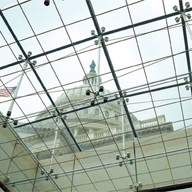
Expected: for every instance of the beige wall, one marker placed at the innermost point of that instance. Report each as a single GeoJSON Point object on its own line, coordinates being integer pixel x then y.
{"type": "Point", "coordinates": [156, 171]}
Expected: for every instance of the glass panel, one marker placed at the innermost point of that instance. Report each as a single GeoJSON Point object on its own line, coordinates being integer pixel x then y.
{"type": "Point", "coordinates": [67, 133]}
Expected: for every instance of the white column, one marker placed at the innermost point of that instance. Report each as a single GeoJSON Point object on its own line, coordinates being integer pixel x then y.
{"type": "Point", "coordinates": [123, 127]}
{"type": "Point", "coordinates": [98, 62]}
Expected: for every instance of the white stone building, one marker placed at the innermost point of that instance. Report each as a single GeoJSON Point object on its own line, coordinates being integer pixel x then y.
{"type": "Point", "coordinates": [91, 127]}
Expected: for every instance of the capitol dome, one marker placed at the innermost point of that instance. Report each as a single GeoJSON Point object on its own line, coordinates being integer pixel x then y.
{"type": "Point", "coordinates": [83, 122]}
{"type": "Point", "coordinates": [91, 118]}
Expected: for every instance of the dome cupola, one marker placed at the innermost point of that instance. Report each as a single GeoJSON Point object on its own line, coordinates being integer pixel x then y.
{"type": "Point", "coordinates": [91, 76]}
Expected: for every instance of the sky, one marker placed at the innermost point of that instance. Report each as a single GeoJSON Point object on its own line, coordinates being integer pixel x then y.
{"type": "Point", "coordinates": [122, 47]}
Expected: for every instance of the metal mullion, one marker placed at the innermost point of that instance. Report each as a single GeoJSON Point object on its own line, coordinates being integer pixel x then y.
{"type": "Point", "coordinates": [168, 133]}
{"type": "Point", "coordinates": [73, 175]}
{"type": "Point", "coordinates": [114, 142]}
{"type": "Point", "coordinates": [164, 134]}
{"type": "Point", "coordinates": [15, 5]}
{"type": "Point", "coordinates": [39, 34]}
{"type": "Point", "coordinates": [157, 123]}
{"type": "Point", "coordinates": [29, 37]}
{"type": "Point", "coordinates": [13, 34]}
{"type": "Point", "coordinates": [19, 63]}
{"type": "Point", "coordinates": [167, 159]}
{"type": "Point", "coordinates": [35, 179]}
{"type": "Point", "coordinates": [90, 142]}
{"type": "Point", "coordinates": [146, 109]}
{"type": "Point", "coordinates": [61, 147]}
{"type": "Point", "coordinates": [37, 93]}
{"type": "Point", "coordinates": [116, 146]}
{"type": "Point", "coordinates": [24, 115]}
{"type": "Point", "coordinates": [77, 57]}
{"type": "Point", "coordinates": [74, 50]}
{"type": "Point", "coordinates": [86, 174]}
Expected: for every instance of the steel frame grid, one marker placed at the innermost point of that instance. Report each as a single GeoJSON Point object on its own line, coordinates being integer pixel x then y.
{"type": "Point", "coordinates": [73, 107]}
{"type": "Point", "coordinates": [65, 124]}
{"type": "Point", "coordinates": [31, 155]}
{"type": "Point", "coordinates": [164, 134]}
{"type": "Point", "coordinates": [110, 63]}
{"type": "Point", "coordinates": [91, 38]}
{"type": "Point", "coordinates": [113, 151]}
{"type": "Point", "coordinates": [189, 70]}
{"type": "Point", "coordinates": [151, 99]}
{"type": "Point", "coordinates": [156, 61]}
{"type": "Point", "coordinates": [153, 106]}
{"type": "Point", "coordinates": [111, 100]}
{"type": "Point", "coordinates": [48, 149]}
{"type": "Point", "coordinates": [124, 39]}
{"type": "Point", "coordinates": [144, 145]}
{"type": "Point", "coordinates": [55, 74]}
{"type": "Point", "coordinates": [140, 159]}
{"type": "Point", "coordinates": [38, 77]}
{"type": "Point", "coordinates": [11, 161]}
{"type": "Point", "coordinates": [130, 90]}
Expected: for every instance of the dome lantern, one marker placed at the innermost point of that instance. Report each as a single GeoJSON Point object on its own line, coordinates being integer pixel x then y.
{"type": "Point", "coordinates": [91, 76]}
